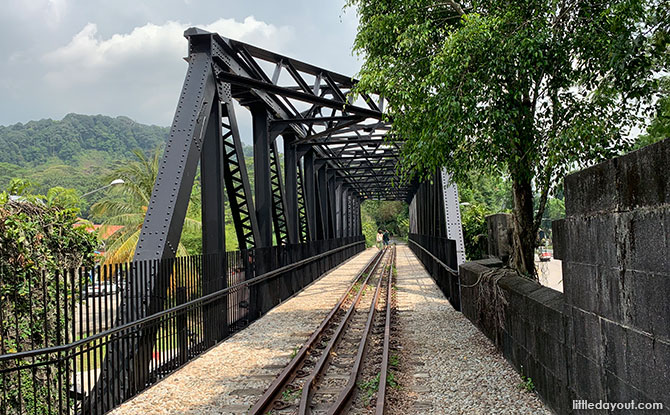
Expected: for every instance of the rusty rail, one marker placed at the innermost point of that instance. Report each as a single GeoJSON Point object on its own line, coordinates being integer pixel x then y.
{"type": "Point", "coordinates": [261, 406]}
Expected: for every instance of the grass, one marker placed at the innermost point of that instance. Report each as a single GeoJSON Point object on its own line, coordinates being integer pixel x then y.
{"type": "Point", "coordinates": [369, 388]}
{"type": "Point", "coordinates": [356, 288]}
{"type": "Point", "coordinates": [527, 383]}
{"type": "Point", "coordinates": [394, 360]}
{"type": "Point", "coordinates": [294, 352]}
{"type": "Point", "coordinates": [390, 380]}
{"type": "Point", "coordinates": [289, 394]}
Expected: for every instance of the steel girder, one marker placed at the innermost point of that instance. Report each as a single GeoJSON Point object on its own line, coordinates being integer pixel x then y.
{"type": "Point", "coordinates": [334, 143]}
{"type": "Point", "coordinates": [235, 175]}
{"type": "Point", "coordinates": [315, 106]}
{"type": "Point", "coordinates": [165, 216]}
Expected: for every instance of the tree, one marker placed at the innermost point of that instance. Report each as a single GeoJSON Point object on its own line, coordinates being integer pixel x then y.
{"type": "Point", "coordinates": [384, 214]}
{"type": "Point", "coordinates": [659, 128]}
{"type": "Point", "coordinates": [473, 219]}
{"type": "Point", "coordinates": [126, 206]}
{"type": "Point", "coordinates": [38, 243]}
{"type": "Point", "coordinates": [527, 88]}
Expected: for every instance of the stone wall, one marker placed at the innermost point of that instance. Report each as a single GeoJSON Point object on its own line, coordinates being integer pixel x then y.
{"type": "Point", "coordinates": [608, 337]}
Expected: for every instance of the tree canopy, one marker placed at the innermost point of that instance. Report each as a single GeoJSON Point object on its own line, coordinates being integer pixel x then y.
{"type": "Point", "coordinates": [37, 141]}
{"type": "Point", "coordinates": [531, 88]}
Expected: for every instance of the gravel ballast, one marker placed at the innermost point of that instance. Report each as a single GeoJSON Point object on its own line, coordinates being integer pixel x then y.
{"type": "Point", "coordinates": [229, 378]}
{"type": "Point", "coordinates": [448, 366]}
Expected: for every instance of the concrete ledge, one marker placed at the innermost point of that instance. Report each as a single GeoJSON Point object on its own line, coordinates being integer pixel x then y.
{"type": "Point", "coordinates": [635, 180]}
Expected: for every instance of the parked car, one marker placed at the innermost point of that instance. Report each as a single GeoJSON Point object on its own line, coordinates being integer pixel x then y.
{"type": "Point", "coordinates": [101, 288]}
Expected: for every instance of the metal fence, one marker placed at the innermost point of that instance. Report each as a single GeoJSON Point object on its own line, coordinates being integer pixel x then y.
{"type": "Point", "coordinates": [438, 256]}
{"type": "Point", "coordinates": [84, 341]}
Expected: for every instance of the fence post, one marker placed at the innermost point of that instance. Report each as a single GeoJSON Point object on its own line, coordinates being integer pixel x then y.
{"type": "Point", "coordinates": [182, 337]}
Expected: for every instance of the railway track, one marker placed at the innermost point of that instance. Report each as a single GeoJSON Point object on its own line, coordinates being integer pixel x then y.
{"type": "Point", "coordinates": [343, 366]}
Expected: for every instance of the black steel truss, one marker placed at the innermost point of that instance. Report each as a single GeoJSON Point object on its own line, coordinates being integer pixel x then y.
{"type": "Point", "coordinates": [335, 154]}
{"type": "Point", "coordinates": [235, 175]}
{"type": "Point", "coordinates": [302, 210]}
{"type": "Point", "coordinates": [279, 208]}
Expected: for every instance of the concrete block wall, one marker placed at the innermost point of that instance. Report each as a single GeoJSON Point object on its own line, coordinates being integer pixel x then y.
{"type": "Point", "coordinates": [608, 336]}
{"type": "Point", "coordinates": [615, 248]}
{"type": "Point", "coordinates": [534, 338]}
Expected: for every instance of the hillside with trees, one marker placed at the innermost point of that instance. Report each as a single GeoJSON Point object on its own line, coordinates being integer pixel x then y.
{"type": "Point", "coordinates": [76, 152]}
{"type": "Point", "coordinates": [38, 142]}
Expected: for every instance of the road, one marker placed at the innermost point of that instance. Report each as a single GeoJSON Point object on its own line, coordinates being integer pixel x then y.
{"type": "Point", "coordinates": [550, 273]}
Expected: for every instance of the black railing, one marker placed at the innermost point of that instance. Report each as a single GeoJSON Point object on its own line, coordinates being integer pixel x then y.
{"type": "Point", "coordinates": [71, 354]}
{"type": "Point", "coordinates": [438, 256]}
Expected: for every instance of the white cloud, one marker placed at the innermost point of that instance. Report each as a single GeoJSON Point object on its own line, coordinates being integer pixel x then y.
{"type": "Point", "coordinates": [88, 58]}
{"type": "Point", "coordinates": [139, 73]}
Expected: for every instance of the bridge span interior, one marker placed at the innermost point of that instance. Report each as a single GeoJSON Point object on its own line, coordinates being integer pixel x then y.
{"type": "Point", "coordinates": [300, 218]}
{"type": "Point", "coordinates": [335, 151]}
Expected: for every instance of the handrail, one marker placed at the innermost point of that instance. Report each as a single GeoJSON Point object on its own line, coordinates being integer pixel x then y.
{"type": "Point", "coordinates": [201, 300]}
{"type": "Point", "coordinates": [445, 266]}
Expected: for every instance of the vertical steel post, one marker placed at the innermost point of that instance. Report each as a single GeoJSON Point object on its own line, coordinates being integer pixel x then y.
{"type": "Point", "coordinates": [452, 215]}
{"type": "Point", "coordinates": [350, 214]}
{"type": "Point", "coordinates": [262, 185]}
{"type": "Point", "coordinates": [332, 220]}
{"type": "Point", "coordinates": [322, 177]}
{"type": "Point", "coordinates": [213, 227]}
{"type": "Point", "coordinates": [338, 207]}
{"type": "Point", "coordinates": [260, 295]}
{"type": "Point", "coordinates": [291, 187]}
{"type": "Point", "coordinates": [310, 194]}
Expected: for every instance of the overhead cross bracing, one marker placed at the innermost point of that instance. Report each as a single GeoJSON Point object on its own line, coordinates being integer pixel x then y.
{"type": "Point", "coordinates": [343, 129]}
{"type": "Point", "coordinates": [335, 156]}
{"type": "Point", "coordinates": [302, 206]}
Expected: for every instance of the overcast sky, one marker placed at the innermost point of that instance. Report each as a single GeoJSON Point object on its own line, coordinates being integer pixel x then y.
{"type": "Point", "coordinates": [124, 57]}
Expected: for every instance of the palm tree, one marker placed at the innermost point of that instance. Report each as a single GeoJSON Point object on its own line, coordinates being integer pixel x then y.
{"type": "Point", "coordinates": [126, 206]}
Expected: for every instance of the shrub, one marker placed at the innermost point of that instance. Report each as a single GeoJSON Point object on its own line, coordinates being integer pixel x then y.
{"type": "Point", "coordinates": [38, 241]}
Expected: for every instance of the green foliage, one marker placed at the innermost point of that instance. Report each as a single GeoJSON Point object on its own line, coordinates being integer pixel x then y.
{"type": "Point", "coordinates": [36, 142]}
{"type": "Point", "coordinates": [38, 240]}
{"type": "Point", "coordinates": [659, 128]}
{"type": "Point", "coordinates": [126, 204]}
{"type": "Point", "coordinates": [555, 209]}
{"type": "Point", "coordinates": [473, 219]}
{"type": "Point", "coordinates": [394, 360]}
{"type": "Point", "coordinates": [96, 147]}
{"type": "Point", "coordinates": [527, 384]}
{"type": "Point", "coordinates": [369, 388]}
{"type": "Point", "coordinates": [489, 189]}
{"type": "Point", "coordinates": [530, 88]}
{"type": "Point", "coordinates": [289, 395]}
{"type": "Point", "coordinates": [76, 152]}
{"type": "Point", "coordinates": [369, 230]}
{"type": "Point", "coordinates": [381, 214]}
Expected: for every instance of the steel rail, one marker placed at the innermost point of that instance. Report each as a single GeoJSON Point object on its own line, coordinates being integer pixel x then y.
{"type": "Point", "coordinates": [344, 396]}
{"type": "Point", "coordinates": [381, 391]}
{"type": "Point", "coordinates": [284, 377]}
{"type": "Point", "coordinates": [306, 394]}
{"type": "Point", "coordinates": [198, 301]}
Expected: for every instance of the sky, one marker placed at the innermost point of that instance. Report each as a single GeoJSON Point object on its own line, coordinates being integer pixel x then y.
{"type": "Point", "coordinates": [124, 57]}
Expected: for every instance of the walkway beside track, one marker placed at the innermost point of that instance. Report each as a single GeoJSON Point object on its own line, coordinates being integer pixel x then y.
{"type": "Point", "coordinates": [446, 365]}
{"type": "Point", "coordinates": [230, 378]}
